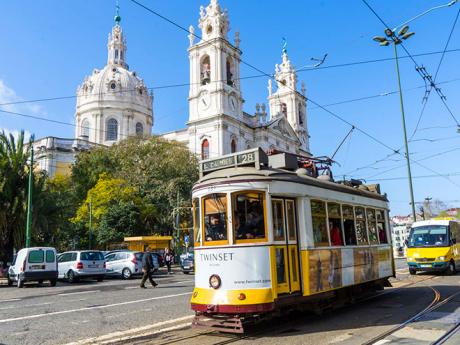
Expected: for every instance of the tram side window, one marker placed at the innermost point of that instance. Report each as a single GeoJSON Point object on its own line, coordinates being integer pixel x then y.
{"type": "Point", "coordinates": [335, 224]}
{"type": "Point", "coordinates": [372, 226]}
{"type": "Point", "coordinates": [349, 225]}
{"type": "Point", "coordinates": [278, 220]}
{"type": "Point", "coordinates": [361, 233]}
{"type": "Point", "coordinates": [318, 215]}
{"type": "Point", "coordinates": [248, 215]}
{"type": "Point", "coordinates": [196, 220]}
{"type": "Point", "coordinates": [380, 215]}
{"type": "Point", "coordinates": [215, 219]}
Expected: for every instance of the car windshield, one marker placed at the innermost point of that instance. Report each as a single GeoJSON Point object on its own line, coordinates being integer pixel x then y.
{"type": "Point", "coordinates": [428, 236]}
{"type": "Point", "coordinates": [91, 256]}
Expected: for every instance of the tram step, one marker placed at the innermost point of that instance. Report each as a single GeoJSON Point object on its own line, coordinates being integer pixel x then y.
{"type": "Point", "coordinates": [226, 325]}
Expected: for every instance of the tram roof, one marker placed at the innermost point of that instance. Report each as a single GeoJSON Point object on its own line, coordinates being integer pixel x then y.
{"type": "Point", "coordinates": [231, 168]}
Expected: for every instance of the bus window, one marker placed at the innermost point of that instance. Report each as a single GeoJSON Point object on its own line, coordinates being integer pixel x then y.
{"type": "Point", "coordinates": [278, 220]}
{"type": "Point", "coordinates": [196, 220]}
{"type": "Point", "coordinates": [361, 233]}
{"type": "Point", "coordinates": [318, 215]}
{"type": "Point", "coordinates": [372, 226]}
{"type": "Point", "coordinates": [335, 224]}
{"type": "Point", "coordinates": [454, 232]}
{"type": "Point", "coordinates": [380, 215]}
{"type": "Point", "coordinates": [215, 220]}
{"type": "Point", "coordinates": [248, 215]}
{"type": "Point", "coordinates": [349, 225]}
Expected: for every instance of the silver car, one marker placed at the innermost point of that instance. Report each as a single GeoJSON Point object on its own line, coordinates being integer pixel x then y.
{"type": "Point", "coordinates": [75, 265]}
{"type": "Point", "coordinates": [124, 263]}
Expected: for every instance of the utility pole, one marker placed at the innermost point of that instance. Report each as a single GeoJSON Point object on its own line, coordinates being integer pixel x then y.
{"type": "Point", "coordinates": [177, 226]}
{"type": "Point", "coordinates": [90, 220]}
{"type": "Point", "coordinates": [29, 195]}
{"type": "Point", "coordinates": [427, 208]}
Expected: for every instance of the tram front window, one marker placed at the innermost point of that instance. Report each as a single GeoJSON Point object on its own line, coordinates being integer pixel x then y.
{"type": "Point", "coordinates": [215, 220]}
{"type": "Point", "coordinates": [196, 220]}
{"type": "Point", "coordinates": [248, 215]}
{"type": "Point", "coordinates": [428, 236]}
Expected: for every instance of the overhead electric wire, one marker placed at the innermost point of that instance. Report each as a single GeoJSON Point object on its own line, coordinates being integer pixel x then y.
{"type": "Point", "coordinates": [414, 177]}
{"type": "Point", "coordinates": [426, 98]}
{"type": "Point", "coordinates": [418, 67]}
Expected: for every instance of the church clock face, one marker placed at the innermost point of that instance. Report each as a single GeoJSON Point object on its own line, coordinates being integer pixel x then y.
{"type": "Point", "coordinates": [204, 101]}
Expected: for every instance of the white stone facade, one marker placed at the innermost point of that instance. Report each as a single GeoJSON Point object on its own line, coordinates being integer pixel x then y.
{"type": "Point", "coordinates": [217, 124]}
{"type": "Point", "coordinates": [113, 103]}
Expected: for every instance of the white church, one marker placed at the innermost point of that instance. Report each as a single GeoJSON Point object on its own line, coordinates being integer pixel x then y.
{"type": "Point", "coordinates": [114, 103]}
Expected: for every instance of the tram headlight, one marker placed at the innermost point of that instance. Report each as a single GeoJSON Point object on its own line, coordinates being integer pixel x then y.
{"type": "Point", "coordinates": [214, 281]}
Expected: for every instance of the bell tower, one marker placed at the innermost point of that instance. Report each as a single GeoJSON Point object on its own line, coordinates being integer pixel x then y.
{"type": "Point", "coordinates": [287, 101]}
{"type": "Point", "coordinates": [214, 67]}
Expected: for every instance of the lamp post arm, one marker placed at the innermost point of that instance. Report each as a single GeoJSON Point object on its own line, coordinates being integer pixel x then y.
{"type": "Point", "coordinates": [450, 3]}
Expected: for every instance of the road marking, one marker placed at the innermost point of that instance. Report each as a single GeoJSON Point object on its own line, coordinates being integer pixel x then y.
{"type": "Point", "coordinates": [131, 287]}
{"type": "Point", "coordinates": [28, 317]}
{"type": "Point", "coordinates": [169, 284]}
{"type": "Point", "coordinates": [125, 335]}
{"type": "Point", "coordinates": [10, 300]}
{"type": "Point", "coordinates": [78, 293]}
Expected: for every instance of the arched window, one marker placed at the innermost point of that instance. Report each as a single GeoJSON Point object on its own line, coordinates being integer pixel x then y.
{"type": "Point", "coordinates": [284, 109]}
{"type": "Point", "coordinates": [139, 128]}
{"type": "Point", "coordinates": [205, 70]}
{"type": "Point", "coordinates": [84, 128]}
{"type": "Point", "coordinates": [205, 149]}
{"type": "Point", "coordinates": [111, 130]}
{"type": "Point", "coordinates": [300, 114]}
{"type": "Point", "coordinates": [233, 145]}
{"type": "Point", "coordinates": [229, 66]}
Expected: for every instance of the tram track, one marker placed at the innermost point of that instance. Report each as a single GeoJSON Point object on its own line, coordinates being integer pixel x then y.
{"type": "Point", "coordinates": [434, 305]}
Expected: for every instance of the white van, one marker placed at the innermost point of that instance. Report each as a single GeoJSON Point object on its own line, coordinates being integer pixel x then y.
{"type": "Point", "coordinates": [33, 264]}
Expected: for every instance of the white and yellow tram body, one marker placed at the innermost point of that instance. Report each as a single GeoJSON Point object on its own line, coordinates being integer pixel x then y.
{"type": "Point", "coordinates": [295, 255]}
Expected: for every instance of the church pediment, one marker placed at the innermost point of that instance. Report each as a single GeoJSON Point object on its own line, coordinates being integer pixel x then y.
{"type": "Point", "coordinates": [282, 126]}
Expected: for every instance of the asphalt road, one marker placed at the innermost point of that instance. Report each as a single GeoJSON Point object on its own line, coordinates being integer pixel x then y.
{"type": "Point", "coordinates": [71, 312]}
{"type": "Point", "coordinates": [117, 310]}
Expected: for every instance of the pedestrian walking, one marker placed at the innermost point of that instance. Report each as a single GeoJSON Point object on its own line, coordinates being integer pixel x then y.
{"type": "Point", "coordinates": [147, 266]}
{"type": "Point", "coordinates": [169, 257]}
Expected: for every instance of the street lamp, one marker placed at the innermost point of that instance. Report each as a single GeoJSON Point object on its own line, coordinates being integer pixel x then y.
{"type": "Point", "coordinates": [396, 39]}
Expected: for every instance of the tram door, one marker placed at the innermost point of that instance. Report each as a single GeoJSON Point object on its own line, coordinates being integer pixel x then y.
{"type": "Point", "coordinates": [286, 248]}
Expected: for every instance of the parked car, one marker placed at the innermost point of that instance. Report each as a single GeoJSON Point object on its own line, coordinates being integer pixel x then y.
{"type": "Point", "coordinates": [187, 263]}
{"type": "Point", "coordinates": [160, 258]}
{"type": "Point", "coordinates": [33, 264]}
{"type": "Point", "coordinates": [79, 264]}
{"type": "Point", "coordinates": [125, 264]}
{"type": "Point", "coordinates": [155, 260]}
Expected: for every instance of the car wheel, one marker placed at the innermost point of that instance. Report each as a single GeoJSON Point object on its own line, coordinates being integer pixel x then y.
{"type": "Point", "coordinates": [412, 271]}
{"type": "Point", "coordinates": [450, 269]}
{"type": "Point", "coordinates": [40, 282]}
{"type": "Point", "coordinates": [186, 272]}
{"type": "Point", "coordinates": [53, 282]}
{"type": "Point", "coordinates": [126, 273]}
{"type": "Point", "coordinates": [20, 282]}
{"type": "Point", "coordinates": [100, 279]}
{"type": "Point", "coordinates": [10, 282]}
{"type": "Point", "coordinates": [71, 278]}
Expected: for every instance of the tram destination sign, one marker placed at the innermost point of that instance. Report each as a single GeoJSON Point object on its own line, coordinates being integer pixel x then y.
{"type": "Point", "coordinates": [253, 157]}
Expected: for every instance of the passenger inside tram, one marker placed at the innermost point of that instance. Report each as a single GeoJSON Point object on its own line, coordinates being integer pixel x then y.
{"type": "Point", "coordinates": [215, 230]}
{"type": "Point", "coordinates": [336, 233]}
{"type": "Point", "coordinates": [249, 218]}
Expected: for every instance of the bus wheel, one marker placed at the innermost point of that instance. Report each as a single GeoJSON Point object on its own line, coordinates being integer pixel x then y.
{"type": "Point", "coordinates": [412, 271]}
{"type": "Point", "coordinates": [450, 269]}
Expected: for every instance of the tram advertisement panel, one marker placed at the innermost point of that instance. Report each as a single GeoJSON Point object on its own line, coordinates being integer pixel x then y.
{"type": "Point", "coordinates": [244, 267]}
{"type": "Point", "coordinates": [334, 268]}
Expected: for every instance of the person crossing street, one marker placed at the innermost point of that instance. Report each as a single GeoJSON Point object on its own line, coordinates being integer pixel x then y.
{"type": "Point", "coordinates": [147, 267]}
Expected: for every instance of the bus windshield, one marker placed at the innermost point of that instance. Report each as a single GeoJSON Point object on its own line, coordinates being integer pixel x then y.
{"type": "Point", "coordinates": [429, 236]}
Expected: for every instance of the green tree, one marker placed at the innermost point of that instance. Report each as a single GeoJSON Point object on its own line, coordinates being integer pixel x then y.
{"type": "Point", "coordinates": [121, 219]}
{"type": "Point", "coordinates": [13, 192]}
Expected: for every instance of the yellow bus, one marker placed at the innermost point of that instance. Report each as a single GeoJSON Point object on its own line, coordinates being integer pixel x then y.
{"type": "Point", "coordinates": [432, 246]}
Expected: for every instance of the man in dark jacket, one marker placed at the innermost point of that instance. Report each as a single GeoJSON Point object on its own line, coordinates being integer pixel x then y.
{"type": "Point", "coordinates": [147, 266]}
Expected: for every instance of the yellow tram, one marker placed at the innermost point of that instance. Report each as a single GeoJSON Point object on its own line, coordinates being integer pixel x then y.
{"type": "Point", "coordinates": [272, 234]}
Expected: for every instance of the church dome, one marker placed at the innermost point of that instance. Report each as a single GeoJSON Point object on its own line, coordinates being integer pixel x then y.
{"type": "Point", "coordinates": [113, 103]}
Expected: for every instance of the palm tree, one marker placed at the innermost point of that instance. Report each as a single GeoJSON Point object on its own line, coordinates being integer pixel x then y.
{"type": "Point", "coordinates": [14, 155]}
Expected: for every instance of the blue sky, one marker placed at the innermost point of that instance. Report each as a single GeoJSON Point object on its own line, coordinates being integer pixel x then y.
{"type": "Point", "coordinates": [48, 47]}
